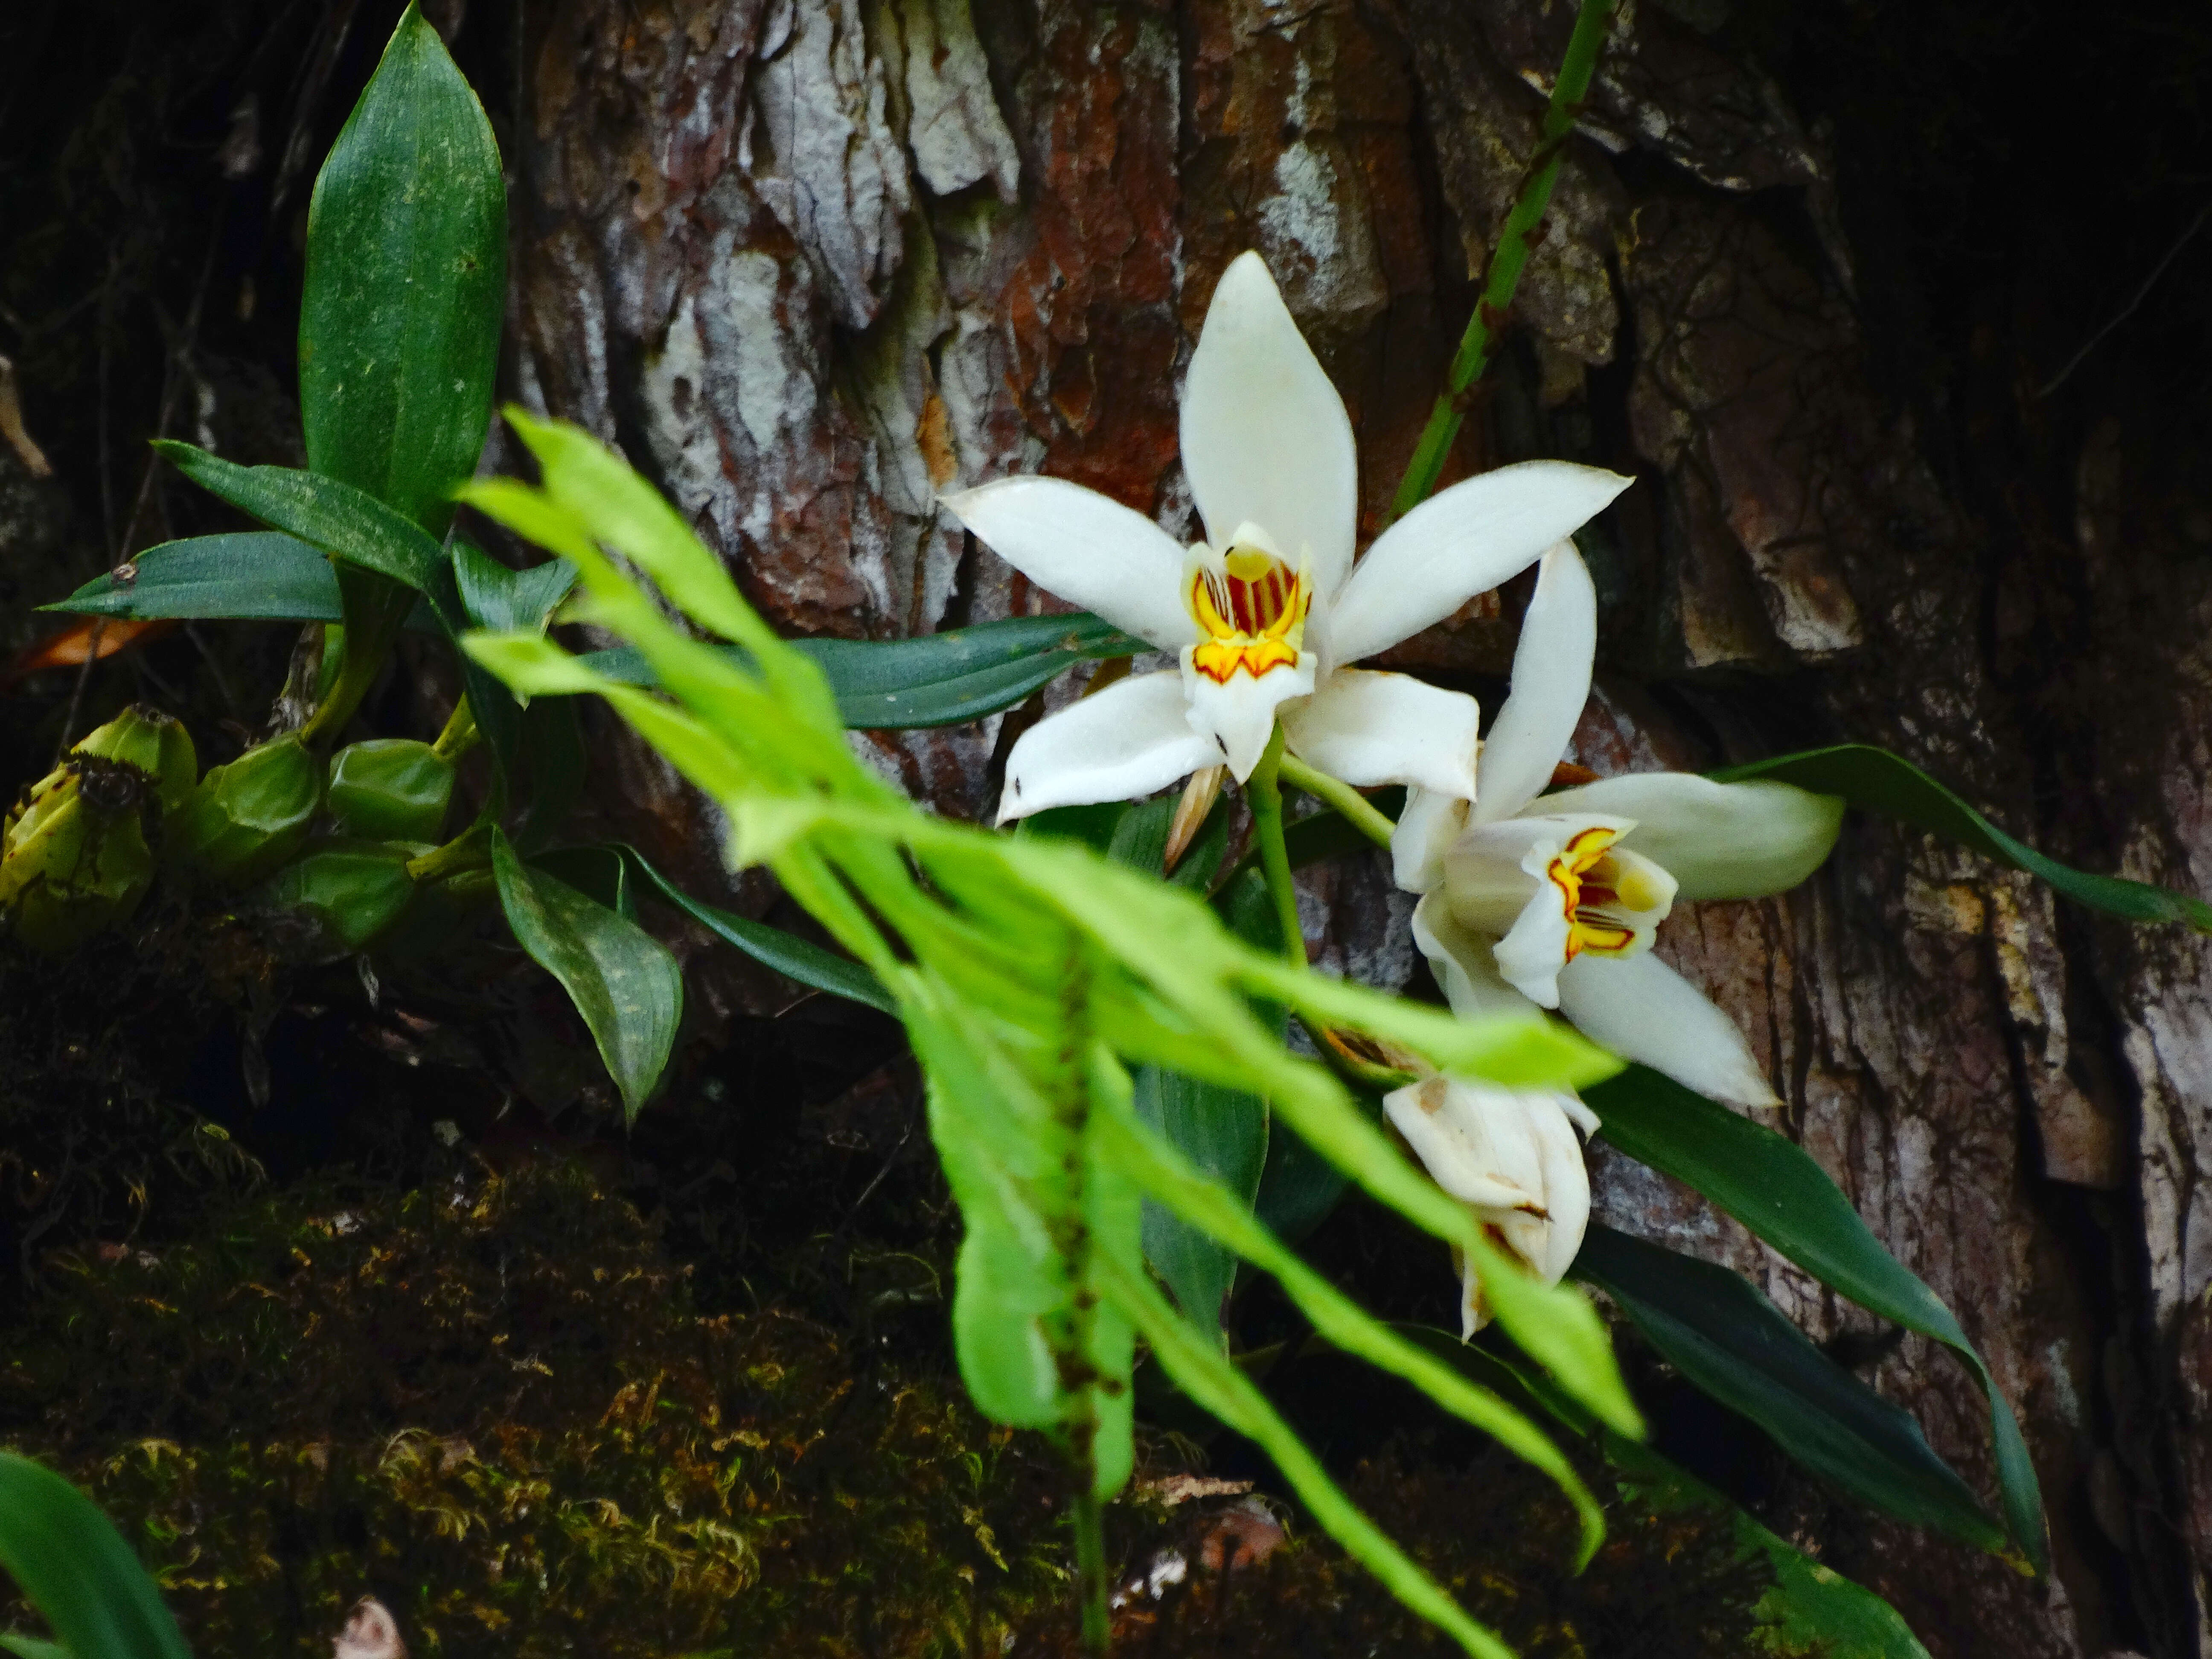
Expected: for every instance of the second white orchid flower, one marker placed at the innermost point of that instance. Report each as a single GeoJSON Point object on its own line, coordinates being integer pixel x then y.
{"type": "Point", "coordinates": [1512, 1157]}
{"type": "Point", "coordinates": [1266, 613]}
{"type": "Point", "coordinates": [1553, 900]}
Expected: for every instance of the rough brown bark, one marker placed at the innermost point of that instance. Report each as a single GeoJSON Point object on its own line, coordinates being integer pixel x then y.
{"type": "Point", "coordinates": [807, 261]}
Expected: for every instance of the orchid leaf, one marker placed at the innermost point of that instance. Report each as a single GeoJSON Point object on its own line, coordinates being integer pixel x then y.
{"type": "Point", "coordinates": [255, 576]}
{"type": "Point", "coordinates": [75, 1569]}
{"type": "Point", "coordinates": [1774, 1186]}
{"type": "Point", "coordinates": [623, 980]}
{"type": "Point", "coordinates": [1882, 782]}
{"type": "Point", "coordinates": [795, 958]}
{"type": "Point", "coordinates": [1730, 1342]}
{"type": "Point", "coordinates": [508, 601]}
{"type": "Point", "coordinates": [934, 680]}
{"type": "Point", "coordinates": [1808, 1609]}
{"type": "Point", "coordinates": [405, 285]}
{"type": "Point", "coordinates": [1223, 1134]}
{"type": "Point", "coordinates": [346, 523]}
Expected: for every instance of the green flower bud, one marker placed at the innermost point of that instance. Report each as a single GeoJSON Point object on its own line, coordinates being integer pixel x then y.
{"type": "Point", "coordinates": [346, 891]}
{"type": "Point", "coordinates": [157, 744]}
{"type": "Point", "coordinates": [389, 789]}
{"type": "Point", "coordinates": [247, 817]}
{"type": "Point", "coordinates": [74, 858]}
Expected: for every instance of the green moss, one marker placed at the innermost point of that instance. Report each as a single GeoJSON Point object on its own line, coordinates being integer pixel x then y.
{"type": "Point", "coordinates": [494, 1407]}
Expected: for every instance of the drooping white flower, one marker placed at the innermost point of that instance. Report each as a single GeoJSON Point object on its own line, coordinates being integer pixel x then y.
{"type": "Point", "coordinates": [1266, 613]}
{"type": "Point", "coordinates": [1513, 1158]}
{"type": "Point", "coordinates": [1553, 900]}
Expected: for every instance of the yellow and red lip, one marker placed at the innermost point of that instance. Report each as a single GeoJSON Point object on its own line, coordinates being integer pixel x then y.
{"type": "Point", "coordinates": [1253, 612]}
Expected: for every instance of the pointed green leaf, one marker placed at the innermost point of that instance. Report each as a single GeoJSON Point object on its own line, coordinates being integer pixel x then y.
{"type": "Point", "coordinates": [405, 285]}
{"type": "Point", "coordinates": [74, 1567]}
{"type": "Point", "coordinates": [1809, 1610]}
{"type": "Point", "coordinates": [1774, 1186]}
{"type": "Point", "coordinates": [248, 576]}
{"type": "Point", "coordinates": [793, 957]}
{"type": "Point", "coordinates": [623, 980]}
{"type": "Point", "coordinates": [1223, 1134]}
{"type": "Point", "coordinates": [1730, 1342]}
{"type": "Point", "coordinates": [346, 522]}
{"type": "Point", "coordinates": [1882, 782]}
{"type": "Point", "coordinates": [508, 601]}
{"type": "Point", "coordinates": [934, 679]}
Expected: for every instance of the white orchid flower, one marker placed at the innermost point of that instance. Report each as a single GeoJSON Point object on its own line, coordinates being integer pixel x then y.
{"type": "Point", "coordinates": [1512, 1157]}
{"type": "Point", "coordinates": [1266, 613]}
{"type": "Point", "coordinates": [1552, 900]}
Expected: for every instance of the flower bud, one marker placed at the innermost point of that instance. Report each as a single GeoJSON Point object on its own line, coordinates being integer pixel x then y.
{"type": "Point", "coordinates": [74, 858]}
{"type": "Point", "coordinates": [157, 744]}
{"type": "Point", "coordinates": [247, 817]}
{"type": "Point", "coordinates": [389, 789]}
{"type": "Point", "coordinates": [1512, 1157]}
{"type": "Point", "coordinates": [344, 892]}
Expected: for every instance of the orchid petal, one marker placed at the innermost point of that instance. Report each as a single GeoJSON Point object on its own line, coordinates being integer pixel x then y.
{"type": "Point", "coordinates": [1643, 1010]}
{"type": "Point", "coordinates": [1371, 729]}
{"type": "Point", "coordinates": [1465, 964]}
{"type": "Point", "coordinates": [1566, 1184]}
{"type": "Point", "coordinates": [1551, 683]}
{"type": "Point", "coordinates": [1479, 1154]}
{"type": "Point", "coordinates": [1265, 436]}
{"type": "Point", "coordinates": [1428, 824]}
{"type": "Point", "coordinates": [1456, 544]}
{"type": "Point", "coordinates": [1239, 712]}
{"type": "Point", "coordinates": [1128, 740]}
{"type": "Point", "coordinates": [1535, 949]}
{"type": "Point", "coordinates": [1720, 840]}
{"type": "Point", "coordinates": [1086, 548]}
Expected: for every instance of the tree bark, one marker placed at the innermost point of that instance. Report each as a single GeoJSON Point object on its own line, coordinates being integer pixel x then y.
{"type": "Point", "coordinates": [807, 262]}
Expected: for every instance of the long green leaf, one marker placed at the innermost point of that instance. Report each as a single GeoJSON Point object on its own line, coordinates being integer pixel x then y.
{"type": "Point", "coordinates": [1730, 1342]}
{"type": "Point", "coordinates": [73, 1566]}
{"type": "Point", "coordinates": [932, 679]}
{"type": "Point", "coordinates": [255, 576]}
{"type": "Point", "coordinates": [1883, 782]}
{"type": "Point", "coordinates": [1810, 1609]}
{"type": "Point", "coordinates": [1161, 1169]}
{"type": "Point", "coordinates": [1224, 1132]}
{"type": "Point", "coordinates": [1774, 1186]}
{"type": "Point", "coordinates": [1206, 1375]}
{"type": "Point", "coordinates": [405, 284]}
{"type": "Point", "coordinates": [623, 980]}
{"type": "Point", "coordinates": [793, 957]}
{"type": "Point", "coordinates": [346, 522]}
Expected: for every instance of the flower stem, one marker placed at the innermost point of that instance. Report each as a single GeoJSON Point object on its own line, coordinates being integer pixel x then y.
{"type": "Point", "coordinates": [1339, 797]}
{"type": "Point", "coordinates": [466, 851]}
{"type": "Point", "coordinates": [1508, 259]}
{"type": "Point", "coordinates": [460, 734]}
{"type": "Point", "coordinates": [1266, 795]}
{"type": "Point", "coordinates": [1090, 1571]}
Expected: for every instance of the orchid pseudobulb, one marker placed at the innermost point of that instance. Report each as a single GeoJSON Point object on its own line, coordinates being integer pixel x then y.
{"type": "Point", "coordinates": [1265, 614]}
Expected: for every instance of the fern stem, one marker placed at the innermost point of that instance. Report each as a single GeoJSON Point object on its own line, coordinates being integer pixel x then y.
{"type": "Point", "coordinates": [1090, 1516]}
{"type": "Point", "coordinates": [1264, 790]}
{"type": "Point", "coordinates": [1516, 239]}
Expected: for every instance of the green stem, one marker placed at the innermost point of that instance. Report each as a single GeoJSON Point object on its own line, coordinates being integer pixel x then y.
{"type": "Point", "coordinates": [1091, 1571]}
{"type": "Point", "coordinates": [1266, 795]}
{"type": "Point", "coordinates": [460, 734]}
{"type": "Point", "coordinates": [374, 609]}
{"type": "Point", "coordinates": [1340, 797]}
{"type": "Point", "coordinates": [1515, 241]}
{"type": "Point", "coordinates": [469, 850]}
